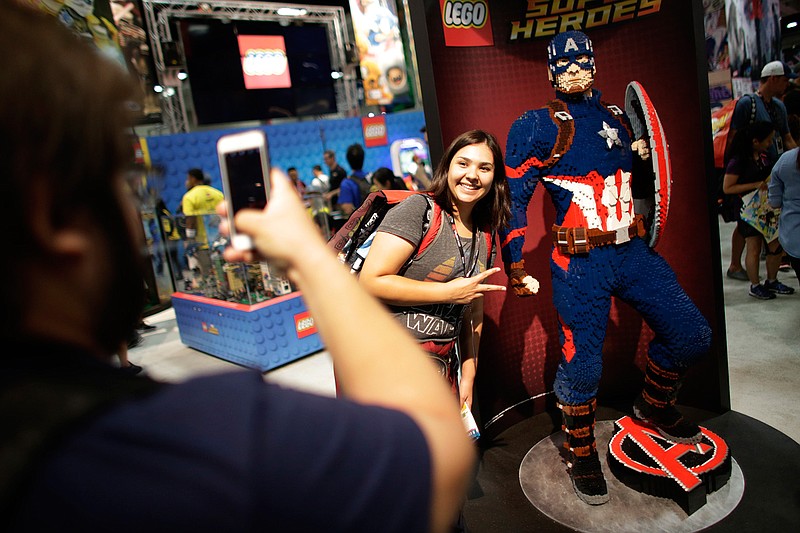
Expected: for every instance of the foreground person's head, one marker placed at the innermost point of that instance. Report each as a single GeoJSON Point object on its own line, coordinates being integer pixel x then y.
{"type": "Point", "coordinates": [72, 266]}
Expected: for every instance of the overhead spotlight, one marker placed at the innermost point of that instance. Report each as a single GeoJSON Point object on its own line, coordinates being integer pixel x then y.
{"type": "Point", "coordinates": [170, 91]}
{"type": "Point", "coordinates": [182, 75]}
{"type": "Point", "coordinates": [791, 25]}
{"type": "Point", "coordinates": [158, 88]}
{"type": "Point", "coordinates": [337, 75]}
{"type": "Point", "coordinates": [292, 12]}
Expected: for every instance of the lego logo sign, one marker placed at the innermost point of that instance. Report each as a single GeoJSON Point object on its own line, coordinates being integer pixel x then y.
{"type": "Point", "coordinates": [374, 129]}
{"type": "Point", "coordinates": [466, 23]}
{"type": "Point", "coordinates": [304, 325]}
{"type": "Point", "coordinates": [264, 63]}
{"type": "Point", "coordinates": [261, 62]}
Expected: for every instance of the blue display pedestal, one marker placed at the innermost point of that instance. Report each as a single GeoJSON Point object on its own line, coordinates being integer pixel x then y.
{"type": "Point", "coordinates": [261, 336]}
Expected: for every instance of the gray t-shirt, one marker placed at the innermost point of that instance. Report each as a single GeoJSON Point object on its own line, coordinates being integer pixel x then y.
{"type": "Point", "coordinates": [441, 261]}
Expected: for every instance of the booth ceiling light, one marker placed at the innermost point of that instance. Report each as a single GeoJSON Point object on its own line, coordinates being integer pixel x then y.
{"type": "Point", "coordinates": [182, 75]}
{"type": "Point", "coordinates": [292, 12]}
{"type": "Point", "coordinates": [791, 25]}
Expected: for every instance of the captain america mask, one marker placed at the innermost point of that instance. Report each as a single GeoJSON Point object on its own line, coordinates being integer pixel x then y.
{"type": "Point", "coordinates": [570, 62]}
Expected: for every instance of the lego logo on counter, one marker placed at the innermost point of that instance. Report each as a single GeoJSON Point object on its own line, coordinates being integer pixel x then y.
{"type": "Point", "coordinates": [465, 14]}
{"type": "Point", "coordinates": [304, 324]}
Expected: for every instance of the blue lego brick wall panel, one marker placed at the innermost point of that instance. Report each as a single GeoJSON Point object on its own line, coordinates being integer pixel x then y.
{"type": "Point", "coordinates": [297, 144]}
{"type": "Point", "coordinates": [263, 336]}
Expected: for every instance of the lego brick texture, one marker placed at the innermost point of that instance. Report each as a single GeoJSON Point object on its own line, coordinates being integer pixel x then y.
{"type": "Point", "coordinates": [262, 337]}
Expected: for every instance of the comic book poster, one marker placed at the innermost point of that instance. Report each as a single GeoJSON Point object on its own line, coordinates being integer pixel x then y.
{"type": "Point", "coordinates": [381, 54]}
{"type": "Point", "coordinates": [757, 212]}
{"type": "Point", "coordinates": [116, 29]}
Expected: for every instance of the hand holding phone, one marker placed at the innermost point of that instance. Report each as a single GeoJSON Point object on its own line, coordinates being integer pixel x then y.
{"type": "Point", "coordinates": [244, 166]}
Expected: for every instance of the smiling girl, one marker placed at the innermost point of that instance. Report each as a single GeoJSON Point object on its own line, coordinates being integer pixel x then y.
{"type": "Point", "coordinates": [433, 293]}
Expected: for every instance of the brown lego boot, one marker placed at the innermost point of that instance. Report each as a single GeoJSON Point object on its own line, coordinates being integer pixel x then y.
{"type": "Point", "coordinates": [584, 463]}
{"type": "Point", "coordinates": [656, 406]}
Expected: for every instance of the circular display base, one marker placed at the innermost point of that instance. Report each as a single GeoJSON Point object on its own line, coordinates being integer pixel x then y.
{"type": "Point", "coordinates": [545, 481]}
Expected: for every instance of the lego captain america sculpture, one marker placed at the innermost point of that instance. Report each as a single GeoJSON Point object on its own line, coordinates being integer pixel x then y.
{"type": "Point", "coordinates": [584, 152]}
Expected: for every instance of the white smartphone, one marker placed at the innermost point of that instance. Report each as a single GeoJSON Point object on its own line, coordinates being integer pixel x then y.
{"type": "Point", "coordinates": [244, 165]}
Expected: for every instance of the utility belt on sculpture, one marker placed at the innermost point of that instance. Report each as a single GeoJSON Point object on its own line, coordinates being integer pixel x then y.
{"type": "Point", "coordinates": [580, 240]}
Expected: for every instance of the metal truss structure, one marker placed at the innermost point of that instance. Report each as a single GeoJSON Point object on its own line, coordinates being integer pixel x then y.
{"type": "Point", "coordinates": [160, 13]}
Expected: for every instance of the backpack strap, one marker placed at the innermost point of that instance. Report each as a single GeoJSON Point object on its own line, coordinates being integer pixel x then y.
{"type": "Point", "coordinates": [752, 98]}
{"type": "Point", "coordinates": [489, 245]}
{"type": "Point", "coordinates": [431, 229]}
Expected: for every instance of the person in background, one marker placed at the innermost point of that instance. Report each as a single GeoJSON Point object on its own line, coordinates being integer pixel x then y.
{"type": "Point", "coordinates": [383, 178]}
{"type": "Point", "coordinates": [764, 105]}
{"type": "Point", "coordinates": [122, 354]}
{"type": "Point", "coordinates": [199, 200]}
{"type": "Point", "coordinates": [320, 182]}
{"type": "Point", "coordinates": [355, 188]}
{"type": "Point", "coordinates": [222, 452]}
{"type": "Point", "coordinates": [336, 173]}
{"type": "Point", "coordinates": [784, 193]}
{"type": "Point", "coordinates": [747, 171]}
{"type": "Point", "coordinates": [298, 184]}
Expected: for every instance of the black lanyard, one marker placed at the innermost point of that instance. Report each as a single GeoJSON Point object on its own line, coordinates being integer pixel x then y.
{"type": "Point", "coordinates": [472, 253]}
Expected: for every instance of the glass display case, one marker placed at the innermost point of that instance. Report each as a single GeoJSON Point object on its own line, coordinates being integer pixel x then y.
{"type": "Point", "coordinates": [199, 268]}
{"type": "Point", "coordinates": [246, 313]}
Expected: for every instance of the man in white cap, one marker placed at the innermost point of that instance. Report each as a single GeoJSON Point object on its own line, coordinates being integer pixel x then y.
{"type": "Point", "coordinates": [775, 78]}
{"type": "Point", "coordinates": [763, 105]}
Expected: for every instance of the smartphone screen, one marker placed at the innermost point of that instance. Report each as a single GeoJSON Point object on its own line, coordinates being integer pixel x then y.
{"type": "Point", "coordinates": [246, 179]}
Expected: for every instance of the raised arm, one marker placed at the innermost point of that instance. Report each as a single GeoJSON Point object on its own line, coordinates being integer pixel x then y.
{"type": "Point", "coordinates": [522, 172]}
{"type": "Point", "coordinates": [357, 341]}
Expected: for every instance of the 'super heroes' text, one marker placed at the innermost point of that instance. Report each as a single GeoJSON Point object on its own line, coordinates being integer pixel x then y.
{"type": "Point", "coordinates": [544, 18]}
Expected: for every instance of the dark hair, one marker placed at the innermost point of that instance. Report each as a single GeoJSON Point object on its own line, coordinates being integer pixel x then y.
{"type": "Point", "coordinates": [384, 176]}
{"type": "Point", "coordinates": [68, 135]}
{"type": "Point", "coordinates": [317, 167]}
{"type": "Point", "coordinates": [493, 211]}
{"type": "Point", "coordinates": [198, 174]}
{"type": "Point", "coordinates": [355, 156]}
{"type": "Point", "coordinates": [290, 169]}
{"type": "Point", "coordinates": [742, 143]}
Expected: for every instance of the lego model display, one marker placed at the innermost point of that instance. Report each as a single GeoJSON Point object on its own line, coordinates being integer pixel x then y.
{"type": "Point", "coordinates": [202, 271]}
{"type": "Point", "coordinates": [594, 161]}
{"type": "Point", "coordinates": [246, 313]}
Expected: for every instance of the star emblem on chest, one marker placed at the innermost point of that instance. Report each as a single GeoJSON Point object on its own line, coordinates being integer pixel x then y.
{"type": "Point", "coordinates": [611, 135]}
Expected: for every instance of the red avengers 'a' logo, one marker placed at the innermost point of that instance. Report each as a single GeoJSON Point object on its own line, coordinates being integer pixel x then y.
{"type": "Point", "coordinates": [684, 463]}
